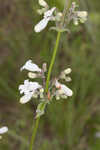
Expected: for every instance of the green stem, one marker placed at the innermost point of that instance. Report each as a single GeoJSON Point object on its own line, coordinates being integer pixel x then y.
{"type": "Point", "coordinates": [34, 133]}
{"type": "Point", "coordinates": [47, 85]}
{"type": "Point", "coordinates": [52, 61]}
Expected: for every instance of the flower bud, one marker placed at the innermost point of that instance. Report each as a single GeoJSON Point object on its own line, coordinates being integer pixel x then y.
{"type": "Point", "coordinates": [68, 79]}
{"type": "Point", "coordinates": [57, 97]}
{"type": "Point", "coordinates": [67, 71]}
{"type": "Point", "coordinates": [43, 3]}
{"type": "Point", "coordinates": [44, 67]}
{"type": "Point", "coordinates": [32, 75]}
{"type": "Point", "coordinates": [64, 96]}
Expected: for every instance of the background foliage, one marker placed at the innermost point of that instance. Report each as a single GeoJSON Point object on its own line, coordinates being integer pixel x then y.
{"type": "Point", "coordinates": [67, 124]}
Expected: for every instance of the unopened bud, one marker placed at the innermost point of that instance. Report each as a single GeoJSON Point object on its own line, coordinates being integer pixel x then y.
{"type": "Point", "coordinates": [44, 67]}
{"type": "Point", "coordinates": [68, 79]}
{"type": "Point", "coordinates": [67, 71]}
{"type": "Point", "coordinates": [57, 97]}
{"type": "Point", "coordinates": [41, 90]}
{"type": "Point", "coordinates": [76, 22]}
{"type": "Point", "coordinates": [64, 96]}
{"type": "Point", "coordinates": [32, 75]}
{"type": "Point", "coordinates": [43, 3]}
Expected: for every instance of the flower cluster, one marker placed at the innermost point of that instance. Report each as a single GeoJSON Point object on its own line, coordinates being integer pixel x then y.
{"type": "Point", "coordinates": [54, 15]}
{"type": "Point", "coordinates": [77, 16]}
{"type": "Point", "coordinates": [3, 130]}
{"type": "Point", "coordinates": [49, 15]}
{"type": "Point", "coordinates": [32, 89]}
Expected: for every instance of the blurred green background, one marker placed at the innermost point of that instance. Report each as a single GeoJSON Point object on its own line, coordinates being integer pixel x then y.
{"type": "Point", "coordinates": [67, 124]}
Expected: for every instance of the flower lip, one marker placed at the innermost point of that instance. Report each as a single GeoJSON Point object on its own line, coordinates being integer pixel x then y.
{"type": "Point", "coordinates": [31, 67]}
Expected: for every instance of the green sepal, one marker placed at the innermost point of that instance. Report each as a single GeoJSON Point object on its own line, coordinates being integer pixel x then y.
{"type": "Point", "coordinates": [60, 29]}
{"type": "Point", "coordinates": [40, 109]}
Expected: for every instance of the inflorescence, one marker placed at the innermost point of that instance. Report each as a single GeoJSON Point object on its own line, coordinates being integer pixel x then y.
{"type": "Point", "coordinates": [56, 90]}
{"type": "Point", "coordinates": [52, 14]}
{"type": "Point", "coordinates": [32, 89]}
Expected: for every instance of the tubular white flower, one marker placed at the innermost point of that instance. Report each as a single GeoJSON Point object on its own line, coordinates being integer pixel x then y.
{"type": "Point", "coordinates": [28, 89]}
{"type": "Point", "coordinates": [63, 89]}
{"type": "Point", "coordinates": [31, 66]}
{"type": "Point", "coordinates": [48, 15]}
{"type": "Point", "coordinates": [82, 14]}
{"type": "Point", "coordinates": [66, 90]}
{"type": "Point", "coordinates": [3, 130]}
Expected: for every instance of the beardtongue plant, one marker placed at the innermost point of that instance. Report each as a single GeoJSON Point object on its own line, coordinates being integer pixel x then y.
{"type": "Point", "coordinates": [50, 89]}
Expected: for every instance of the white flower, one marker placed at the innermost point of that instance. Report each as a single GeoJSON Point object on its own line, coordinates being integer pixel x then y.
{"type": "Point", "coordinates": [77, 16]}
{"type": "Point", "coordinates": [3, 130]}
{"type": "Point", "coordinates": [31, 66]}
{"type": "Point", "coordinates": [48, 16]}
{"type": "Point", "coordinates": [82, 16]}
{"type": "Point", "coordinates": [66, 90]}
{"type": "Point", "coordinates": [63, 89]}
{"type": "Point", "coordinates": [28, 89]}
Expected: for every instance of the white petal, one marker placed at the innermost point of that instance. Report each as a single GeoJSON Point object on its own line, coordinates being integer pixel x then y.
{"type": "Point", "coordinates": [3, 130]}
{"type": "Point", "coordinates": [49, 12]}
{"type": "Point", "coordinates": [34, 85]}
{"type": "Point", "coordinates": [31, 66]}
{"type": "Point", "coordinates": [66, 90]}
{"type": "Point", "coordinates": [41, 25]}
{"type": "Point", "coordinates": [43, 3]}
{"type": "Point", "coordinates": [29, 87]}
{"type": "Point", "coordinates": [26, 98]}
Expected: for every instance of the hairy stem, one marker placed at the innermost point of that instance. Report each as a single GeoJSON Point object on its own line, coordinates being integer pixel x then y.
{"type": "Point", "coordinates": [52, 61]}
{"type": "Point", "coordinates": [34, 133]}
